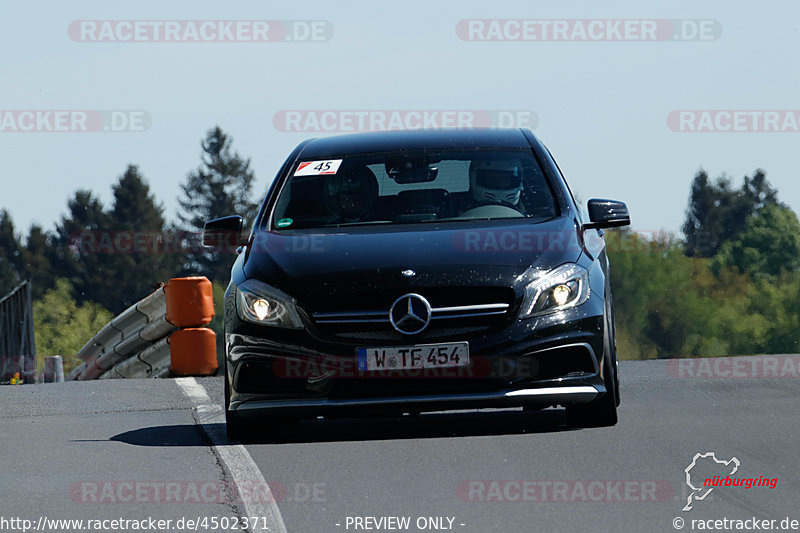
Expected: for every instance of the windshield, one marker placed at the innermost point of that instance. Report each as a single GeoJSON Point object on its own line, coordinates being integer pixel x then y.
{"type": "Point", "coordinates": [414, 187]}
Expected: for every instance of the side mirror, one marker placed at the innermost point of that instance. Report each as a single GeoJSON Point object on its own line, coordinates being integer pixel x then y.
{"type": "Point", "coordinates": [607, 214]}
{"type": "Point", "coordinates": [225, 231]}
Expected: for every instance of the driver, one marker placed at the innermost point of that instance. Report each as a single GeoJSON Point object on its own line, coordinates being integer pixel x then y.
{"type": "Point", "coordinates": [351, 194]}
{"type": "Point", "coordinates": [496, 181]}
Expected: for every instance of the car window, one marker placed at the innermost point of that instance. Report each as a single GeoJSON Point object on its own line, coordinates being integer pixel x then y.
{"type": "Point", "coordinates": [414, 187]}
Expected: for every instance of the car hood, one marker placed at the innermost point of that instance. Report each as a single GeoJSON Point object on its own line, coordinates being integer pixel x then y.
{"type": "Point", "coordinates": [339, 261]}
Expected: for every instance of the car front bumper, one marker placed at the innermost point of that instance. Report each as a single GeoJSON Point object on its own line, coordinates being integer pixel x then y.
{"type": "Point", "coordinates": [563, 355]}
{"type": "Point", "coordinates": [531, 397]}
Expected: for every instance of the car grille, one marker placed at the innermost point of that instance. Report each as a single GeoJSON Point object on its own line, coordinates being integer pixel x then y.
{"type": "Point", "coordinates": [390, 335]}
{"type": "Point", "coordinates": [457, 312]}
{"type": "Point", "coordinates": [437, 313]}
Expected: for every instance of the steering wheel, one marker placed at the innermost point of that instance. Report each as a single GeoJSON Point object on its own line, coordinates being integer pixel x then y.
{"type": "Point", "coordinates": [511, 206]}
{"type": "Point", "coordinates": [498, 210]}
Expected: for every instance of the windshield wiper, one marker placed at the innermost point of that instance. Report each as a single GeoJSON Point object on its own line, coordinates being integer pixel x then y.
{"type": "Point", "coordinates": [341, 224]}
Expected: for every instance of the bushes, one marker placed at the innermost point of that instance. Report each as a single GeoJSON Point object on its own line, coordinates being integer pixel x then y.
{"type": "Point", "coordinates": [62, 326]}
{"type": "Point", "coordinates": [670, 305]}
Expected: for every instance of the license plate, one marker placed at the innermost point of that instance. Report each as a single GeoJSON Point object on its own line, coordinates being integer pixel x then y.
{"type": "Point", "coordinates": [413, 357]}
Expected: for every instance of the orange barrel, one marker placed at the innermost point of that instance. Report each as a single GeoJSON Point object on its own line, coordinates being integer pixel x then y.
{"type": "Point", "coordinates": [189, 301]}
{"type": "Point", "coordinates": [193, 352]}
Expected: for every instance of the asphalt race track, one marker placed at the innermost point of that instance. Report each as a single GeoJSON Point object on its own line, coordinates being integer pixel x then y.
{"type": "Point", "coordinates": [138, 449]}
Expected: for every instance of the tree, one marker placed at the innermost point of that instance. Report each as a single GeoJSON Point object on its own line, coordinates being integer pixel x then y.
{"type": "Point", "coordinates": [220, 186]}
{"type": "Point", "coordinates": [768, 245]}
{"type": "Point", "coordinates": [114, 256]}
{"type": "Point", "coordinates": [139, 258]}
{"type": "Point", "coordinates": [11, 260]}
{"type": "Point", "coordinates": [758, 192]}
{"type": "Point", "coordinates": [658, 310]}
{"type": "Point", "coordinates": [670, 305]}
{"type": "Point", "coordinates": [717, 211]}
{"type": "Point", "coordinates": [62, 326]}
{"type": "Point", "coordinates": [38, 257]}
{"type": "Point", "coordinates": [78, 250]}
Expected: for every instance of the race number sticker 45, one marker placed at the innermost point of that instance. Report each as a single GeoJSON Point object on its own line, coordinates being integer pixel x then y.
{"type": "Point", "coordinates": [318, 168]}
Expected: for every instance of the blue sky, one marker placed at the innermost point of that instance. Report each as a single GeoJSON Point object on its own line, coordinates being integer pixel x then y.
{"type": "Point", "coordinates": [602, 106]}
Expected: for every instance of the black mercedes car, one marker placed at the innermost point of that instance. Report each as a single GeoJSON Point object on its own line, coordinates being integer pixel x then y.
{"type": "Point", "coordinates": [399, 272]}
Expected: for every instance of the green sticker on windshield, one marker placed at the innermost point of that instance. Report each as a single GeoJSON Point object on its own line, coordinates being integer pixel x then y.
{"type": "Point", "coordinates": [284, 222]}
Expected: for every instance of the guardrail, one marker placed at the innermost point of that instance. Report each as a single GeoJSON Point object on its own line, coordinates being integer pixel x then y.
{"type": "Point", "coordinates": [17, 342]}
{"type": "Point", "coordinates": [158, 336]}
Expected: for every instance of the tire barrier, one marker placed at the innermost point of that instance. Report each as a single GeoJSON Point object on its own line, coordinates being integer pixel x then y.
{"type": "Point", "coordinates": [189, 301]}
{"type": "Point", "coordinates": [158, 336]}
{"type": "Point", "coordinates": [193, 351]}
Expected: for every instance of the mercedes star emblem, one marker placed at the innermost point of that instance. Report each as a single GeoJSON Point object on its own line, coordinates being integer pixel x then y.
{"type": "Point", "coordinates": [410, 314]}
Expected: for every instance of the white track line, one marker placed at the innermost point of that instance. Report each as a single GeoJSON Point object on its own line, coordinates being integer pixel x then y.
{"type": "Point", "coordinates": [234, 457]}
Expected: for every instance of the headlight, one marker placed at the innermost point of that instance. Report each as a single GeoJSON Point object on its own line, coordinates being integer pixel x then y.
{"type": "Point", "coordinates": [561, 288]}
{"type": "Point", "coordinates": [261, 304]}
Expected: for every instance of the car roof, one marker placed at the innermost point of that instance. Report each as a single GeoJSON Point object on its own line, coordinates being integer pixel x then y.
{"type": "Point", "coordinates": [438, 139]}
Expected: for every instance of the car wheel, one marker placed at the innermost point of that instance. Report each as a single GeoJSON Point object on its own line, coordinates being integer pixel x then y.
{"type": "Point", "coordinates": [602, 411]}
{"type": "Point", "coordinates": [614, 359]}
{"type": "Point", "coordinates": [233, 425]}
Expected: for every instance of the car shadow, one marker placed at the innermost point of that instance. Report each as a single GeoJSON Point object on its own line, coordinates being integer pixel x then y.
{"type": "Point", "coordinates": [173, 435]}
{"type": "Point", "coordinates": [423, 426]}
